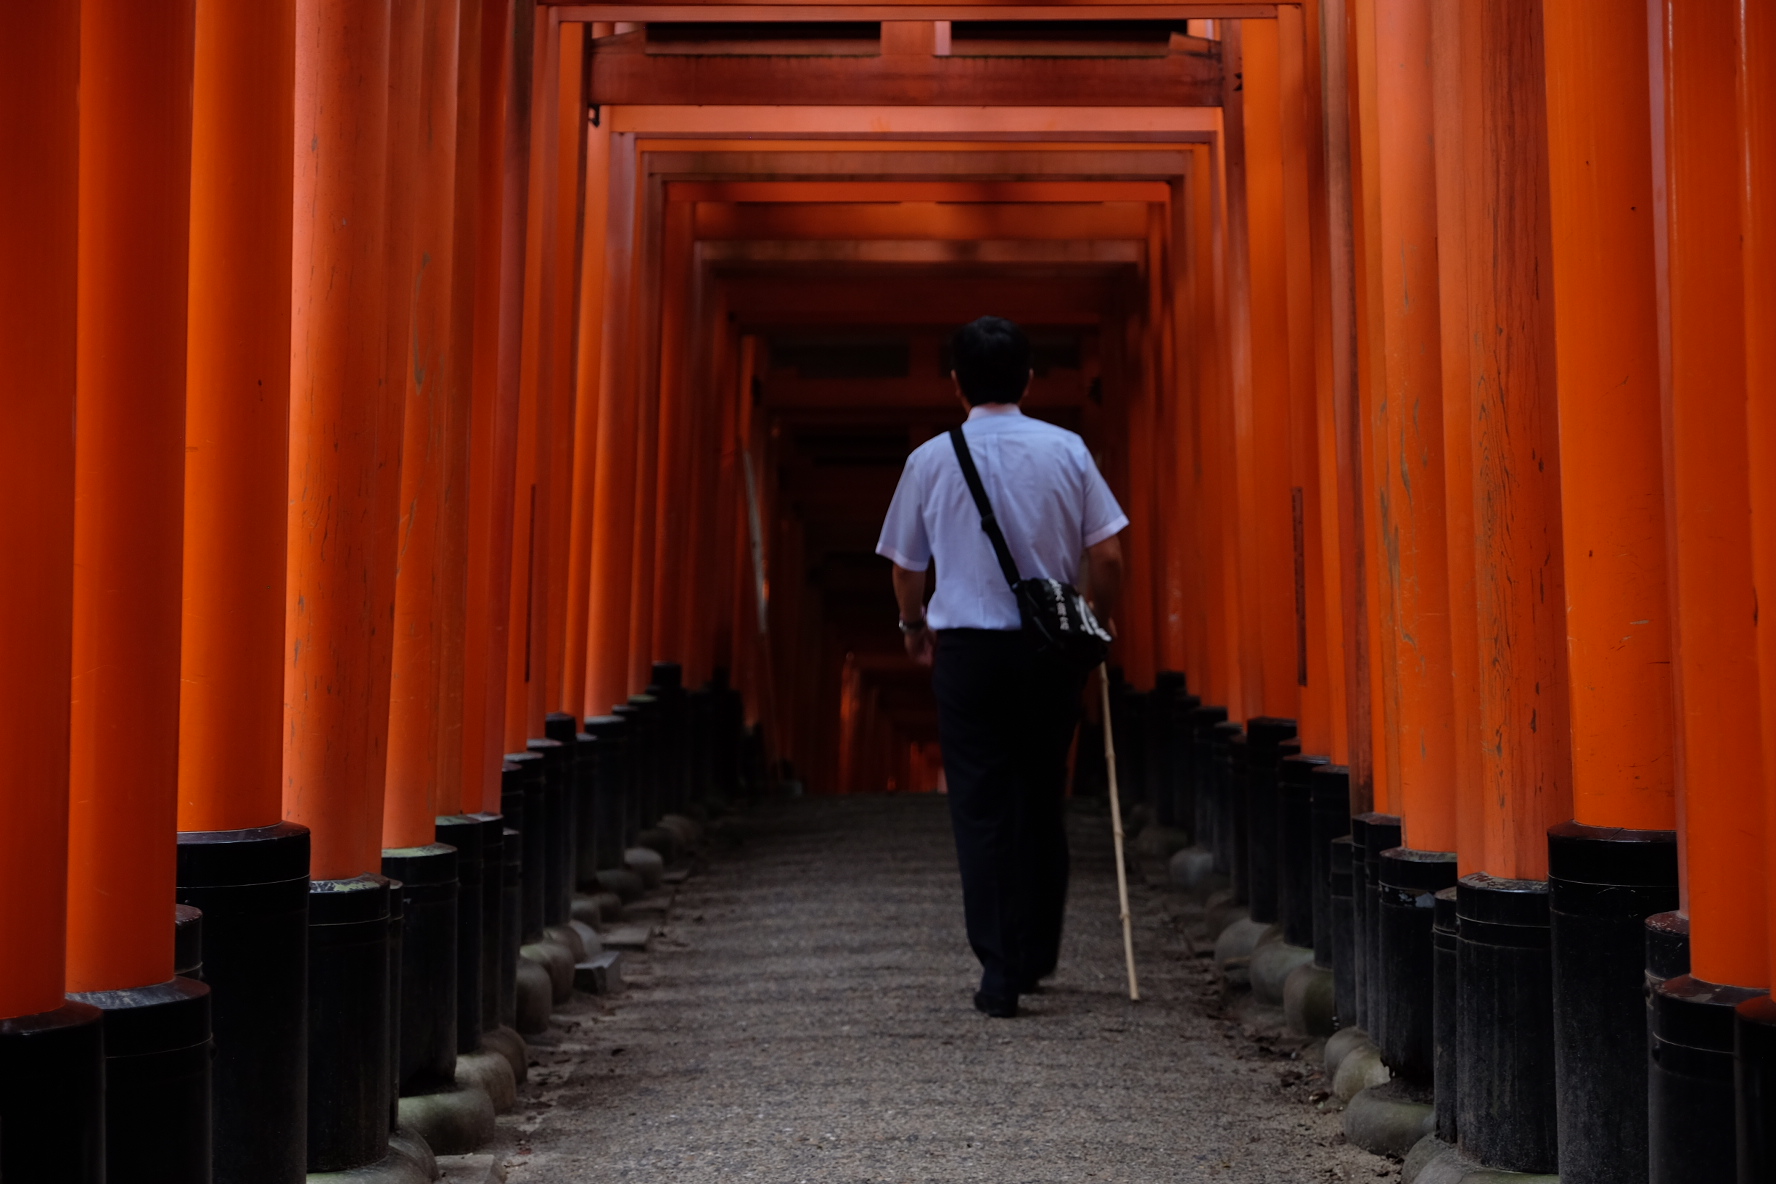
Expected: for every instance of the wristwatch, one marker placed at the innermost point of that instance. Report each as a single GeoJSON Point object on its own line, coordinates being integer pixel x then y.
{"type": "Point", "coordinates": [912, 626]}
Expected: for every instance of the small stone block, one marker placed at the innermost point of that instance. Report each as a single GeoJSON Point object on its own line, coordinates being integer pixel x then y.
{"type": "Point", "coordinates": [646, 863]}
{"type": "Point", "coordinates": [589, 939]}
{"type": "Point", "coordinates": [1270, 967]}
{"type": "Point", "coordinates": [601, 974]}
{"type": "Point", "coordinates": [677, 875]}
{"type": "Point", "coordinates": [1384, 1121]}
{"type": "Point", "coordinates": [629, 937]}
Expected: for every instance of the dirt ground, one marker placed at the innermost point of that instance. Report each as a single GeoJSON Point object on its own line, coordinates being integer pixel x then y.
{"type": "Point", "coordinates": [805, 1016]}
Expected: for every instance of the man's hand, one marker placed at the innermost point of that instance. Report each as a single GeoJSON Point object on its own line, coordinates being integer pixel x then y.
{"type": "Point", "coordinates": [1103, 576]}
{"type": "Point", "coordinates": [909, 594]}
{"type": "Point", "coordinates": [921, 645]}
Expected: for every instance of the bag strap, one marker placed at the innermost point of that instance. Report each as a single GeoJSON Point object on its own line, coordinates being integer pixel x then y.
{"type": "Point", "coordinates": [989, 520]}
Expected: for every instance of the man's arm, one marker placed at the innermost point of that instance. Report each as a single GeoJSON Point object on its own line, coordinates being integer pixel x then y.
{"type": "Point", "coordinates": [1103, 574]}
{"type": "Point", "coordinates": [909, 593]}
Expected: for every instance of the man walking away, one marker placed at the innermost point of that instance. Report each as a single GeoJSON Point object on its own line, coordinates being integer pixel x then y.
{"type": "Point", "coordinates": [1005, 716]}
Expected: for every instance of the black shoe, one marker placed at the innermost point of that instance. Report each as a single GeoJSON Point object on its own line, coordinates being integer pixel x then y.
{"type": "Point", "coordinates": [1000, 1007]}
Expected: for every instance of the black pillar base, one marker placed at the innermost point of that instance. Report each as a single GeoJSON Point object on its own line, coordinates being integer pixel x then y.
{"type": "Point", "coordinates": [511, 926]}
{"type": "Point", "coordinates": [465, 834]}
{"type": "Point", "coordinates": [349, 1088]}
{"type": "Point", "coordinates": [1505, 1107]}
{"type": "Point", "coordinates": [564, 729]}
{"type": "Point", "coordinates": [557, 840]}
{"type": "Point", "coordinates": [397, 931]}
{"type": "Point", "coordinates": [650, 778]}
{"type": "Point", "coordinates": [1329, 806]}
{"type": "Point", "coordinates": [157, 1082]}
{"type": "Point", "coordinates": [1266, 737]}
{"type": "Point", "coordinates": [666, 685]}
{"type": "Point", "coordinates": [610, 792]}
{"type": "Point", "coordinates": [426, 1034]}
{"type": "Point", "coordinates": [1175, 755]}
{"type": "Point", "coordinates": [1200, 722]}
{"type": "Point", "coordinates": [1754, 1085]}
{"type": "Point", "coordinates": [1408, 881]}
{"type": "Point", "coordinates": [1359, 962]}
{"type": "Point", "coordinates": [1342, 920]}
{"type": "Point", "coordinates": [583, 815]}
{"type": "Point", "coordinates": [493, 895]}
{"type": "Point", "coordinates": [1295, 842]}
{"type": "Point", "coordinates": [1446, 983]}
{"type": "Point", "coordinates": [252, 887]}
{"type": "Point", "coordinates": [1603, 883]}
{"type": "Point", "coordinates": [1372, 833]}
{"type": "Point", "coordinates": [1691, 1132]}
{"type": "Point", "coordinates": [1225, 804]}
{"type": "Point", "coordinates": [1162, 709]}
{"type": "Point", "coordinates": [1239, 791]}
{"type": "Point", "coordinates": [532, 821]}
{"type": "Point", "coordinates": [188, 941]}
{"type": "Point", "coordinates": [638, 732]}
{"type": "Point", "coordinates": [52, 1096]}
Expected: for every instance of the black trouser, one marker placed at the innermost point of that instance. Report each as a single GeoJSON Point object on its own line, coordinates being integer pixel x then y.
{"type": "Point", "coordinates": [1006, 722]}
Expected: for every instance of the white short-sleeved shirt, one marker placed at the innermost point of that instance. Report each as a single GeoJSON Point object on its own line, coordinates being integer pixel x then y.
{"type": "Point", "coordinates": [1050, 499]}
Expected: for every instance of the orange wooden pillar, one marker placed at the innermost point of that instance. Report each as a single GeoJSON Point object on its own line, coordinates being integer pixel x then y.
{"type": "Point", "coordinates": [1402, 421]}
{"type": "Point", "coordinates": [569, 149]}
{"type": "Point", "coordinates": [231, 708]}
{"type": "Point", "coordinates": [1500, 403]}
{"type": "Point", "coordinates": [1755, 1035]}
{"type": "Point", "coordinates": [498, 310]}
{"type": "Point", "coordinates": [135, 152]}
{"type": "Point", "coordinates": [1271, 598]}
{"type": "Point", "coordinates": [1696, 132]}
{"type": "Point", "coordinates": [587, 378]}
{"type": "Point", "coordinates": [528, 620]}
{"type": "Point", "coordinates": [426, 845]}
{"type": "Point", "coordinates": [1342, 522]}
{"type": "Point", "coordinates": [1221, 668]}
{"type": "Point", "coordinates": [1367, 359]}
{"type": "Point", "coordinates": [1695, 61]}
{"type": "Point", "coordinates": [1448, 90]}
{"type": "Point", "coordinates": [670, 496]}
{"type": "Point", "coordinates": [454, 726]}
{"type": "Point", "coordinates": [55, 1127]}
{"type": "Point", "coordinates": [1618, 620]}
{"type": "Point", "coordinates": [337, 341]}
{"type": "Point", "coordinates": [1399, 393]}
{"type": "Point", "coordinates": [1319, 669]}
{"type": "Point", "coordinates": [642, 564]}
{"type": "Point", "coordinates": [341, 558]}
{"type": "Point", "coordinates": [135, 216]}
{"type": "Point", "coordinates": [614, 476]}
{"type": "Point", "coordinates": [1240, 517]}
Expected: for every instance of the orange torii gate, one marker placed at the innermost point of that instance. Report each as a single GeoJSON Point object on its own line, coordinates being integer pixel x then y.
{"type": "Point", "coordinates": [1425, 339]}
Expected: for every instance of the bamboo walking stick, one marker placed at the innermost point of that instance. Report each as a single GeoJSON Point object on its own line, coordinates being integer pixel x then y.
{"type": "Point", "coordinates": [1122, 884]}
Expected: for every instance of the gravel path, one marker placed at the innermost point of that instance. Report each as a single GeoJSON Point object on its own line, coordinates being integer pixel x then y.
{"type": "Point", "coordinates": [806, 1017]}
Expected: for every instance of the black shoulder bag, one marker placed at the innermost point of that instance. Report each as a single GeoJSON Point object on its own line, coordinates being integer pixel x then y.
{"type": "Point", "coordinates": [1058, 623]}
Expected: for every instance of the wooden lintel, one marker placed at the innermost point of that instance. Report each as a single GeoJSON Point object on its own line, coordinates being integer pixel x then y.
{"type": "Point", "coordinates": [921, 252]}
{"type": "Point", "coordinates": [875, 10]}
{"type": "Point", "coordinates": [997, 190]}
{"type": "Point", "coordinates": [967, 222]}
{"type": "Point", "coordinates": [621, 75]}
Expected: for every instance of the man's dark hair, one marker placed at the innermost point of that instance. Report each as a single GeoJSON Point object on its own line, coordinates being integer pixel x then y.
{"type": "Point", "coordinates": [991, 357]}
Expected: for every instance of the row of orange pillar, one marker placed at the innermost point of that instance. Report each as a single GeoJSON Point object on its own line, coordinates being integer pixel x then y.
{"type": "Point", "coordinates": [304, 524]}
{"type": "Point", "coordinates": [1496, 310]}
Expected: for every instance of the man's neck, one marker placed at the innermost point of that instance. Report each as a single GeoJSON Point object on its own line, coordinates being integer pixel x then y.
{"type": "Point", "coordinates": [980, 410]}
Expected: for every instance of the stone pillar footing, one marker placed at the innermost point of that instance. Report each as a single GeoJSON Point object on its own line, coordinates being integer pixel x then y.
{"type": "Point", "coordinates": [52, 1094]}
